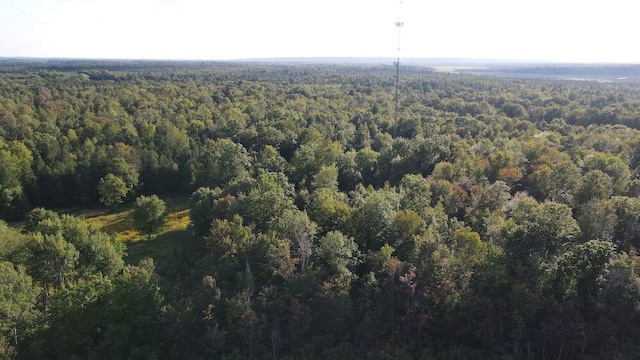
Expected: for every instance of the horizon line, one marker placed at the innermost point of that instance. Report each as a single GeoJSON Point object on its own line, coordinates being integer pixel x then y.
{"type": "Point", "coordinates": [436, 60]}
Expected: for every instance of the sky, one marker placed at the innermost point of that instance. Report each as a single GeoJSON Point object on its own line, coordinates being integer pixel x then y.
{"type": "Point", "coordinates": [541, 30]}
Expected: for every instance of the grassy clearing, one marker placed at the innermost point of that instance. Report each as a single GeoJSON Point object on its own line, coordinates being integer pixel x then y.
{"type": "Point", "coordinates": [117, 223]}
{"type": "Point", "coordinates": [120, 222]}
{"type": "Point", "coordinates": [162, 247]}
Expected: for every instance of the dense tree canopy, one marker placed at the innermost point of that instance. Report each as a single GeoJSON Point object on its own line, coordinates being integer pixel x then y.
{"type": "Point", "coordinates": [502, 221]}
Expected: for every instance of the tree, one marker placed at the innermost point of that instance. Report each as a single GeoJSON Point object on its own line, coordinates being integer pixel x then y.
{"type": "Point", "coordinates": [201, 204]}
{"type": "Point", "coordinates": [335, 254]}
{"type": "Point", "coordinates": [52, 262]}
{"type": "Point", "coordinates": [614, 167]}
{"type": "Point", "coordinates": [228, 247]}
{"type": "Point", "coordinates": [149, 214]}
{"type": "Point", "coordinates": [416, 194]}
{"type": "Point", "coordinates": [119, 161]}
{"type": "Point", "coordinates": [348, 174]}
{"type": "Point", "coordinates": [263, 202]}
{"type": "Point", "coordinates": [18, 298]}
{"type": "Point", "coordinates": [112, 190]}
{"type": "Point", "coordinates": [564, 181]}
{"type": "Point", "coordinates": [514, 110]}
{"type": "Point", "coordinates": [326, 178]}
{"type": "Point", "coordinates": [541, 232]}
{"type": "Point", "coordinates": [219, 162]}
{"type": "Point", "coordinates": [367, 165]}
{"type": "Point", "coordinates": [41, 220]}
{"type": "Point", "coordinates": [627, 228]}
{"type": "Point", "coordinates": [13, 244]}
{"type": "Point", "coordinates": [467, 243]}
{"type": "Point", "coordinates": [131, 316]}
{"type": "Point", "coordinates": [270, 161]}
{"type": "Point", "coordinates": [296, 226]}
{"type": "Point", "coordinates": [590, 262]}
{"type": "Point", "coordinates": [15, 177]}
{"type": "Point", "coordinates": [98, 252]}
{"type": "Point", "coordinates": [405, 229]}
{"type": "Point", "coordinates": [542, 229]}
{"type": "Point", "coordinates": [597, 185]}
{"type": "Point", "coordinates": [579, 273]}
{"type": "Point", "coordinates": [329, 209]}
{"type": "Point", "coordinates": [597, 219]}
{"type": "Point", "coordinates": [371, 221]}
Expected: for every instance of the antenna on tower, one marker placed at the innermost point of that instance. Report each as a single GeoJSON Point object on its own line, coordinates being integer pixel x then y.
{"type": "Point", "coordinates": [399, 25]}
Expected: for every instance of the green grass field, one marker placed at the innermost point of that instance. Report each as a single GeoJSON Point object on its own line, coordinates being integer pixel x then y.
{"type": "Point", "coordinates": [163, 245]}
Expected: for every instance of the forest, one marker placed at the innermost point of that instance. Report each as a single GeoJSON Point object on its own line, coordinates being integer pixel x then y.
{"type": "Point", "coordinates": [495, 218]}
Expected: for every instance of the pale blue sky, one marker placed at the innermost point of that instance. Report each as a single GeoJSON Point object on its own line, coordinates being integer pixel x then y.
{"type": "Point", "coordinates": [554, 30]}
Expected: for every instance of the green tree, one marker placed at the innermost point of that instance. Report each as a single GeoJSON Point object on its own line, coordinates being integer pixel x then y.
{"type": "Point", "coordinates": [296, 226]}
{"type": "Point", "coordinates": [580, 272]}
{"type": "Point", "coordinates": [13, 244]}
{"type": "Point", "coordinates": [231, 249]}
{"type": "Point", "coordinates": [98, 252]}
{"type": "Point", "coordinates": [41, 220]}
{"type": "Point", "coordinates": [498, 195]}
{"type": "Point", "coordinates": [614, 167]}
{"type": "Point", "coordinates": [15, 176]}
{"type": "Point", "coordinates": [416, 194]}
{"type": "Point", "coordinates": [597, 219]}
{"type": "Point", "coordinates": [367, 165]}
{"type": "Point", "coordinates": [405, 229]}
{"type": "Point", "coordinates": [335, 257]}
{"type": "Point", "coordinates": [591, 261]}
{"type": "Point", "coordinates": [326, 178]}
{"type": "Point", "coordinates": [120, 161]}
{"type": "Point", "coordinates": [329, 209]}
{"type": "Point", "coordinates": [597, 185]}
{"type": "Point", "coordinates": [542, 230]}
{"type": "Point", "coordinates": [52, 262]}
{"type": "Point", "coordinates": [131, 316]}
{"type": "Point", "coordinates": [564, 182]}
{"type": "Point", "coordinates": [265, 201]}
{"type": "Point", "coordinates": [467, 243]}
{"type": "Point", "coordinates": [18, 298]}
{"type": "Point", "coordinates": [201, 204]}
{"type": "Point", "coordinates": [627, 228]}
{"type": "Point", "coordinates": [149, 214]}
{"type": "Point", "coordinates": [538, 233]}
{"type": "Point", "coordinates": [113, 190]}
{"type": "Point", "coordinates": [75, 309]}
{"type": "Point", "coordinates": [370, 222]}
{"type": "Point", "coordinates": [219, 162]}
{"type": "Point", "coordinates": [348, 174]}
{"type": "Point", "coordinates": [270, 161]}
{"type": "Point", "coordinates": [336, 252]}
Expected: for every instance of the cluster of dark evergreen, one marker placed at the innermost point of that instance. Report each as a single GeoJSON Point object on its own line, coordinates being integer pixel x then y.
{"type": "Point", "coordinates": [501, 221]}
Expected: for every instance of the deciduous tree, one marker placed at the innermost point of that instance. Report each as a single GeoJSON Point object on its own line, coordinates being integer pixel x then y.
{"type": "Point", "coordinates": [149, 214]}
{"type": "Point", "coordinates": [113, 190]}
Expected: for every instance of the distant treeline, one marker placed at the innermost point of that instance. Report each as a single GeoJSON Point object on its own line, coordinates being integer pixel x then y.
{"type": "Point", "coordinates": [577, 71]}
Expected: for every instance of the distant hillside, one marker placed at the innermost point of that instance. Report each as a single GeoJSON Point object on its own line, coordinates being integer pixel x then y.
{"type": "Point", "coordinates": [492, 67]}
{"type": "Point", "coordinates": [436, 61]}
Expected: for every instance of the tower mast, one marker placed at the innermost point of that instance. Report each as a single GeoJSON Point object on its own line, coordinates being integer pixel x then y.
{"type": "Point", "coordinates": [399, 25]}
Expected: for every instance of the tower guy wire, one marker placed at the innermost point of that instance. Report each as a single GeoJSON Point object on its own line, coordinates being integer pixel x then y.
{"type": "Point", "coordinates": [399, 24]}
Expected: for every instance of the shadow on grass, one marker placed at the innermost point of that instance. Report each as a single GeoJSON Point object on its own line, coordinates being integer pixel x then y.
{"type": "Point", "coordinates": [167, 250]}
{"type": "Point", "coordinates": [121, 223]}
